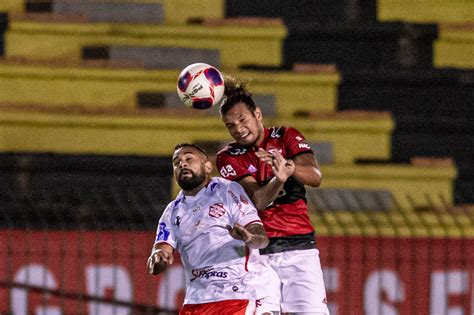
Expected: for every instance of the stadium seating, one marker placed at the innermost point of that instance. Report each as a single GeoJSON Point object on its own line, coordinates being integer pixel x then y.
{"type": "Point", "coordinates": [426, 11]}
{"type": "Point", "coordinates": [12, 6]}
{"type": "Point", "coordinates": [27, 36]}
{"type": "Point", "coordinates": [188, 9]}
{"type": "Point", "coordinates": [365, 46]}
{"type": "Point", "coordinates": [395, 224]}
{"type": "Point", "coordinates": [108, 86]}
{"type": "Point", "coordinates": [106, 11]}
{"type": "Point", "coordinates": [83, 191]}
{"type": "Point", "coordinates": [321, 12]}
{"type": "Point", "coordinates": [405, 188]}
{"type": "Point", "coordinates": [342, 139]}
{"type": "Point", "coordinates": [152, 57]}
{"type": "Point", "coordinates": [455, 46]}
{"type": "Point", "coordinates": [411, 186]}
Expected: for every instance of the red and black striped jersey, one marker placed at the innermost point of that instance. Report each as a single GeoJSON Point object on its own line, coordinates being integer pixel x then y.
{"type": "Point", "coordinates": [288, 214]}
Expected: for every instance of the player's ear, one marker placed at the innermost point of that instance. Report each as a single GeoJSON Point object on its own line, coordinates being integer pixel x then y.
{"type": "Point", "coordinates": [208, 167]}
{"type": "Point", "coordinates": [258, 113]}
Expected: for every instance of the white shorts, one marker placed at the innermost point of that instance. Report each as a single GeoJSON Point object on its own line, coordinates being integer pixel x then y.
{"type": "Point", "coordinates": [299, 277]}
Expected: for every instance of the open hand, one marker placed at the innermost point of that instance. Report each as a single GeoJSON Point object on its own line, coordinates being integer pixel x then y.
{"type": "Point", "coordinates": [282, 168]}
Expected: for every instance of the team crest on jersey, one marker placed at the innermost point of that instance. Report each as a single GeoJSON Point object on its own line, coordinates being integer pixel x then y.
{"type": "Point", "coordinates": [276, 133]}
{"type": "Point", "coordinates": [216, 210]}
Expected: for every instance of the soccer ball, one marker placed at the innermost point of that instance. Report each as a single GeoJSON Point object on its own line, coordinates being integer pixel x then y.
{"type": "Point", "coordinates": [200, 86]}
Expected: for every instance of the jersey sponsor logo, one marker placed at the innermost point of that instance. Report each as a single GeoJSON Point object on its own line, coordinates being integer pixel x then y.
{"type": "Point", "coordinates": [227, 171]}
{"type": "Point", "coordinates": [163, 232]}
{"type": "Point", "coordinates": [216, 210]}
{"type": "Point", "coordinates": [303, 145]}
{"type": "Point", "coordinates": [206, 273]}
{"type": "Point", "coordinates": [237, 151]}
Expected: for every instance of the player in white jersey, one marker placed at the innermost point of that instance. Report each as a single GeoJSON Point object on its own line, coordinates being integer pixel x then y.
{"type": "Point", "coordinates": [212, 224]}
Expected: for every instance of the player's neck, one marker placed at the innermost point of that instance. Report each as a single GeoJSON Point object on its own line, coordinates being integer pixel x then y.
{"type": "Point", "coordinates": [260, 138]}
{"type": "Point", "coordinates": [197, 189]}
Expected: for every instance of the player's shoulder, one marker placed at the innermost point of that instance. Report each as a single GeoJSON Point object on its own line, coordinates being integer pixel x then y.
{"type": "Point", "coordinates": [284, 133]}
{"type": "Point", "coordinates": [220, 183]}
{"type": "Point", "coordinates": [174, 204]}
{"type": "Point", "coordinates": [280, 131]}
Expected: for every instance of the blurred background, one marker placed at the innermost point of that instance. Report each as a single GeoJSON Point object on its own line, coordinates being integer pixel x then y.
{"type": "Point", "coordinates": [89, 116]}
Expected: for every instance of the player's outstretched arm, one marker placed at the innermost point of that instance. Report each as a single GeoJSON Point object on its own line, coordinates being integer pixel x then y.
{"type": "Point", "coordinates": [261, 196]}
{"type": "Point", "coordinates": [252, 234]}
{"type": "Point", "coordinates": [160, 258]}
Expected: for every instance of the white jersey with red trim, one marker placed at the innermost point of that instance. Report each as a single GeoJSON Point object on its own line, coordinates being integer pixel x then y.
{"type": "Point", "coordinates": [216, 265]}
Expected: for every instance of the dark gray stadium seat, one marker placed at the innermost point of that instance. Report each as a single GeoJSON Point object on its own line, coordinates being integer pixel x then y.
{"type": "Point", "coordinates": [120, 12]}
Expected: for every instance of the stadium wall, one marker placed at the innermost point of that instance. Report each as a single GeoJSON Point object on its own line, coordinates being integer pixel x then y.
{"type": "Point", "coordinates": [363, 275]}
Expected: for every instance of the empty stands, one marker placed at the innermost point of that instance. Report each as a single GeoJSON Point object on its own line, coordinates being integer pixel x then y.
{"type": "Point", "coordinates": [31, 129]}
{"type": "Point", "coordinates": [455, 45]}
{"type": "Point", "coordinates": [107, 11]}
{"type": "Point", "coordinates": [86, 191]}
{"type": "Point", "coordinates": [426, 11]}
{"type": "Point", "coordinates": [27, 36]}
{"type": "Point", "coordinates": [110, 86]}
{"type": "Point", "coordinates": [76, 73]}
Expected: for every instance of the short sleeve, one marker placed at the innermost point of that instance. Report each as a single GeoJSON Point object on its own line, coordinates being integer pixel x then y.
{"type": "Point", "coordinates": [295, 143]}
{"type": "Point", "coordinates": [243, 209]}
{"type": "Point", "coordinates": [230, 167]}
{"type": "Point", "coordinates": [164, 231]}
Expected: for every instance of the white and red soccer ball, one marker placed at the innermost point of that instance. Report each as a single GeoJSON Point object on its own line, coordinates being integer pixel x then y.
{"type": "Point", "coordinates": [200, 86]}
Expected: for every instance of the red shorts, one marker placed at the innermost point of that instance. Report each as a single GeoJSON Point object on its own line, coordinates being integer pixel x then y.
{"type": "Point", "coordinates": [227, 307]}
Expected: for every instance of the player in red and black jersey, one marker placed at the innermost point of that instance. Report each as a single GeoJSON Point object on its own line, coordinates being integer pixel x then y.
{"type": "Point", "coordinates": [274, 165]}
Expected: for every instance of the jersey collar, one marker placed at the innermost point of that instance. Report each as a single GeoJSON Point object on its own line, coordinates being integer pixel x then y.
{"type": "Point", "coordinates": [207, 189]}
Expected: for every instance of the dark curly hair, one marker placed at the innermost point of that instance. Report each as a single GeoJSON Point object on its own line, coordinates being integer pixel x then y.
{"type": "Point", "coordinates": [236, 91]}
